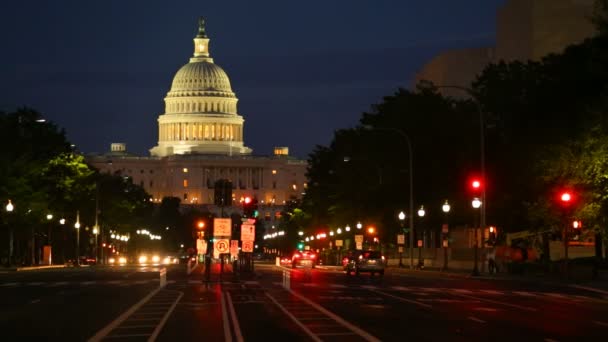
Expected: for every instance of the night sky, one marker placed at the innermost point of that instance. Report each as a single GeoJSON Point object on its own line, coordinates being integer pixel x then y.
{"type": "Point", "coordinates": [301, 69]}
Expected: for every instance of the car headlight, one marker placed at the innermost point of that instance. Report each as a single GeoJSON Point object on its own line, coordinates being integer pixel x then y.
{"type": "Point", "coordinates": [155, 259]}
{"type": "Point", "coordinates": [167, 261]}
{"type": "Point", "coordinates": [122, 260]}
{"type": "Point", "coordinates": [111, 260]}
{"type": "Point", "coordinates": [143, 259]}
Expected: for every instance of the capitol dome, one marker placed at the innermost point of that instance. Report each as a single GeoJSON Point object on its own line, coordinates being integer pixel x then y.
{"type": "Point", "coordinates": [200, 77]}
{"type": "Point", "coordinates": [200, 109]}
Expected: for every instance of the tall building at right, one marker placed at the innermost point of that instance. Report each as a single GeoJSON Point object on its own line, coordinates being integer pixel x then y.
{"type": "Point", "coordinates": [525, 30]}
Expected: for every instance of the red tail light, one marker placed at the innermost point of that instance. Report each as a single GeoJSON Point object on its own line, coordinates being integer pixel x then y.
{"type": "Point", "coordinates": [296, 255]}
{"type": "Point", "coordinates": [312, 256]}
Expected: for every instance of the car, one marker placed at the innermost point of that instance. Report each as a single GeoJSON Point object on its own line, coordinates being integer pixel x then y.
{"type": "Point", "coordinates": [304, 258]}
{"type": "Point", "coordinates": [364, 261]}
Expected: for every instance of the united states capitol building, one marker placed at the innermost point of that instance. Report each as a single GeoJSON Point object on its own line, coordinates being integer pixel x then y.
{"type": "Point", "coordinates": [200, 141]}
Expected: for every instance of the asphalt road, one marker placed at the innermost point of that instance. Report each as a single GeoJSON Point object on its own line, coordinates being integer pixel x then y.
{"type": "Point", "coordinates": [323, 304]}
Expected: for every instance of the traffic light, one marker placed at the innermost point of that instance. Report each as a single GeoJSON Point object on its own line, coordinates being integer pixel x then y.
{"type": "Point", "coordinates": [250, 207]}
{"type": "Point", "coordinates": [566, 198]}
{"type": "Point", "coordinates": [300, 245]}
{"type": "Point", "coordinates": [492, 235]}
{"type": "Point", "coordinates": [577, 224]}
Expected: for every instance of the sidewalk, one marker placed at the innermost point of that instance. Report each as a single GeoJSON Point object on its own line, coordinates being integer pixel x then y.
{"type": "Point", "coordinates": [601, 285]}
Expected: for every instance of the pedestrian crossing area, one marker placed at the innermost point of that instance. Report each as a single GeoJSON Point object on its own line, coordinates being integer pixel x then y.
{"type": "Point", "coordinates": [122, 282]}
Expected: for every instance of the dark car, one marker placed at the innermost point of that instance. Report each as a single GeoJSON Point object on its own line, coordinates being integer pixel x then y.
{"type": "Point", "coordinates": [364, 261]}
{"type": "Point", "coordinates": [304, 258]}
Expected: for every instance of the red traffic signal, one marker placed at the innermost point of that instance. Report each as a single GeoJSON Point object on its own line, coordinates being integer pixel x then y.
{"type": "Point", "coordinates": [475, 184]}
{"type": "Point", "coordinates": [247, 200]}
{"type": "Point", "coordinates": [566, 197]}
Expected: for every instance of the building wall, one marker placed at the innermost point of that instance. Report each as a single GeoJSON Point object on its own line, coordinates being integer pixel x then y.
{"type": "Point", "coordinates": [272, 180]}
{"type": "Point", "coordinates": [456, 67]}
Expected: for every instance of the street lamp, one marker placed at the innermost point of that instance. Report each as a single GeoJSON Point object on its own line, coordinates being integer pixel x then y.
{"type": "Point", "coordinates": [476, 203]}
{"type": "Point", "coordinates": [411, 181]}
{"type": "Point", "coordinates": [77, 226]}
{"type": "Point", "coordinates": [482, 157]}
{"type": "Point", "coordinates": [9, 209]}
{"type": "Point", "coordinates": [359, 225]}
{"type": "Point", "coordinates": [49, 217]}
{"type": "Point", "coordinates": [401, 217]}
{"type": "Point", "coordinates": [446, 209]}
{"type": "Point", "coordinates": [421, 213]}
{"type": "Point", "coordinates": [347, 228]}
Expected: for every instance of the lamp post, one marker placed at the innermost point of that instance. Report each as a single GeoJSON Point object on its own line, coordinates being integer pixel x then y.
{"type": "Point", "coordinates": [9, 209]}
{"type": "Point", "coordinates": [401, 217]}
{"type": "Point", "coordinates": [62, 223]}
{"type": "Point", "coordinates": [482, 147]}
{"type": "Point", "coordinates": [421, 213]}
{"type": "Point", "coordinates": [476, 203]}
{"type": "Point", "coordinates": [411, 181]}
{"type": "Point", "coordinates": [444, 230]}
{"type": "Point", "coordinates": [49, 217]}
{"type": "Point", "coordinates": [77, 226]}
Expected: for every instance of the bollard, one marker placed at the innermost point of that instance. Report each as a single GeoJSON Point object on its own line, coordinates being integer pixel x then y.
{"type": "Point", "coordinates": [163, 277]}
{"type": "Point", "coordinates": [287, 279]}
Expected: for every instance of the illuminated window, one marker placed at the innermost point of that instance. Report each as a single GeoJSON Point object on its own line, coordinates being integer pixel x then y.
{"type": "Point", "coordinates": [274, 172]}
{"type": "Point", "coordinates": [185, 183]}
{"type": "Point", "coordinates": [185, 170]}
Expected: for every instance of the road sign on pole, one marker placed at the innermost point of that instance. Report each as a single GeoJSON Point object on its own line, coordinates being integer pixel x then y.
{"type": "Point", "coordinates": [247, 232]}
{"type": "Point", "coordinates": [234, 248]}
{"type": "Point", "coordinates": [222, 227]}
{"type": "Point", "coordinates": [359, 238]}
{"type": "Point", "coordinates": [247, 246]}
{"type": "Point", "coordinates": [401, 239]}
{"type": "Point", "coordinates": [222, 246]}
{"type": "Point", "coordinates": [359, 245]}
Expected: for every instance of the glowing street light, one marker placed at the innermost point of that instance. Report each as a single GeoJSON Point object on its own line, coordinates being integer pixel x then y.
{"type": "Point", "coordinates": [359, 225]}
{"type": "Point", "coordinates": [421, 211]}
{"type": "Point", "coordinates": [77, 226]}
{"type": "Point", "coordinates": [446, 207]}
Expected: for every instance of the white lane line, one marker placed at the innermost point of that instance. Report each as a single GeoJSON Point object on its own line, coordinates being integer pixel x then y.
{"type": "Point", "coordinates": [135, 326]}
{"type": "Point", "coordinates": [369, 287]}
{"type": "Point", "coordinates": [550, 340]}
{"type": "Point", "coordinates": [592, 289]}
{"type": "Point", "coordinates": [235, 320]}
{"type": "Point", "coordinates": [604, 324]}
{"type": "Point", "coordinates": [162, 322]}
{"type": "Point", "coordinates": [293, 318]}
{"type": "Point", "coordinates": [226, 324]}
{"type": "Point", "coordinates": [555, 295]}
{"type": "Point", "coordinates": [400, 288]}
{"type": "Point", "coordinates": [495, 302]}
{"type": "Point", "coordinates": [58, 283]}
{"type": "Point", "coordinates": [461, 290]}
{"type": "Point", "coordinates": [101, 334]}
{"type": "Point", "coordinates": [405, 299]}
{"type": "Point", "coordinates": [493, 292]}
{"type": "Point", "coordinates": [337, 286]}
{"type": "Point", "coordinates": [251, 282]}
{"type": "Point", "coordinates": [475, 319]}
{"type": "Point", "coordinates": [525, 294]}
{"type": "Point", "coordinates": [35, 283]}
{"type": "Point", "coordinates": [35, 301]}
{"type": "Point", "coordinates": [365, 335]}
{"type": "Point", "coordinates": [485, 309]}
{"type": "Point", "coordinates": [195, 281]}
{"type": "Point", "coordinates": [88, 282]}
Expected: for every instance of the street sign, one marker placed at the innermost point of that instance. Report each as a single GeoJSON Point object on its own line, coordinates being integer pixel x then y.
{"type": "Point", "coordinates": [247, 246]}
{"type": "Point", "coordinates": [400, 249]}
{"type": "Point", "coordinates": [359, 238]}
{"type": "Point", "coordinates": [339, 243]}
{"type": "Point", "coordinates": [359, 245]}
{"type": "Point", "coordinates": [222, 246]}
{"type": "Point", "coordinates": [234, 248]}
{"type": "Point", "coordinates": [419, 243]}
{"type": "Point", "coordinates": [445, 242]}
{"type": "Point", "coordinates": [247, 232]}
{"type": "Point", "coordinates": [201, 246]}
{"type": "Point", "coordinates": [444, 228]}
{"type": "Point", "coordinates": [401, 239]}
{"type": "Point", "coordinates": [222, 227]}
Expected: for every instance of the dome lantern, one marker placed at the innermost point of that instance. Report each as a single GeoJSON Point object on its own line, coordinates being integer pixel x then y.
{"type": "Point", "coordinates": [201, 44]}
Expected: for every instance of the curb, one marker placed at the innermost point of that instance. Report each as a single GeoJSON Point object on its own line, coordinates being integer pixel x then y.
{"type": "Point", "coordinates": [32, 268]}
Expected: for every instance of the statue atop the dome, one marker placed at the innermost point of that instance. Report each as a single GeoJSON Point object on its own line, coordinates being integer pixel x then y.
{"type": "Point", "coordinates": [201, 28]}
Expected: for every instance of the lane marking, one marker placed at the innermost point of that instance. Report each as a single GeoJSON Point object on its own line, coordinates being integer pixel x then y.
{"type": "Point", "coordinates": [58, 283]}
{"type": "Point", "coordinates": [404, 299]}
{"type": "Point", "coordinates": [592, 289]}
{"type": "Point", "coordinates": [493, 292]}
{"type": "Point", "coordinates": [101, 334]}
{"type": "Point", "coordinates": [88, 282]}
{"type": "Point", "coordinates": [293, 318]}
{"type": "Point", "coordinates": [369, 287]}
{"type": "Point", "coordinates": [195, 281]}
{"type": "Point", "coordinates": [365, 335]}
{"type": "Point", "coordinates": [226, 324]}
{"type": "Point", "coordinates": [251, 282]}
{"type": "Point", "coordinates": [475, 319]}
{"type": "Point", "coordinates": [604, 324]}
{"type": "Point", "coordinates": [485, 309]}
{"type": "Point", "coordinates": [337, 286]}
{"type": "Point", "coordinates": [550, 340]}
{"type": "Point", "coordinates": [524, 293]}
{"type": "Point", "coordinates": [135, 327]}
{"type": "Point", "coordinates": [35, 301]}
{"type": "Point", "coordinates": [235, 320]}
{"type": "Point", "coordinates": [496, 302]}
{"type": "Point", "coordinates": [461, 290]}
{"type": "Point", "coordinates": [35, 283]}
{"type": "Point", "coordinates": [162, 322]}
{"type": "Point", "coordinates": [400, 288]}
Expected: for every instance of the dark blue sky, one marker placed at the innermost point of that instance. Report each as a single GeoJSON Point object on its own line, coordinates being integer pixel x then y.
{"type": "Point", "coordinates": [301, 69]}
